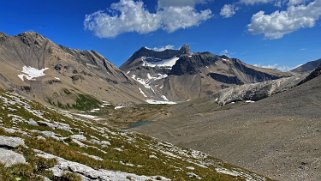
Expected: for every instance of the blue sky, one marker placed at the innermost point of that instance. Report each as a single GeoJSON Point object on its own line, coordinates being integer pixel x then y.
{"type": "Point", "coordinates": [282, 33]}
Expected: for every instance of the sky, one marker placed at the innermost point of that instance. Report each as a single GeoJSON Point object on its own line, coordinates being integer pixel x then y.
{"type": "Point", "coordinates": [270, 33]}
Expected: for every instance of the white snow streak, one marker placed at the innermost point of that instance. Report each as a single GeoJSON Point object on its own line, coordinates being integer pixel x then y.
{"type": "Point", "coordinates": [119, 107]}
{"type": "Point", "coordinates": [141, 91]}
{"type": "Point", "coordinates": [151, 101]}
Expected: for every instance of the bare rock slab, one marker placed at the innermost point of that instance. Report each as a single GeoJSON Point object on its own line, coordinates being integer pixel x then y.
{"type": "Point", "coordinates": [11, 142]}
{"type": "Point", "coordinates": [9, 158]}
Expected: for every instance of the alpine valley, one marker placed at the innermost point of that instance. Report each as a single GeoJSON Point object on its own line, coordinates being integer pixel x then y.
{"type": "Point", "coordinates": [175, 114]}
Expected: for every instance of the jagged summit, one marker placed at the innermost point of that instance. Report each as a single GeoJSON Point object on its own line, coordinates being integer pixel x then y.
{"type": "Point", "coordinates": [185, 49]}
{"type": "Point", "coordinates": [153, 58]}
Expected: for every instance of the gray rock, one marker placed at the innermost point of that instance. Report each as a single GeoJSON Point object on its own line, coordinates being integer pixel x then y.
{"type": "Point", "coordinates": [88, 173]}
{"type": "Point", "coordinates": [50, 134]}
{"type": "Point", "coordinates": [79, 137]}
{"type": "Point", "coordinates": [11, 142]}
{"type": "Point", "coordinates": [256, 91]}
{"type": "Point", "coordinates": [33, 122]}
{"type": "Point", "coordinates": [9, 158]}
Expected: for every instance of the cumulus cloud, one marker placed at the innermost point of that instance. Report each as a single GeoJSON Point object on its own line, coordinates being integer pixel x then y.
{"type": "Point", "coordinates": [228, 10]}
{"type": "Point", "coordinates": [282, 68]}
{"type": "Point", "coordinates": [280, 23]}
{"type": "Point", "coordinates": [252, 2]}
{"type": "Point", "coordinates": [131, 16]}
{"type": "Point", "coordinates": [179, 3]}
{"type": "Point", "coordinates": [174, 18]}
{"type": "Point", "coordinates": [295, 2]}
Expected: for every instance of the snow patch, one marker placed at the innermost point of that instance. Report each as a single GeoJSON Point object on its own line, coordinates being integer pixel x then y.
{"type": "Point", "coordinates": [119, 107]}
{"type": "Point", "coordinates": [165, 98]}
{"type": "Point", "coordinates": [141, 81]}
{"type": "Point", "coordinates": [163, 63]}
{"type": "Point", "coordinates": [85, 116]}
{"type": "Point", "coordinates": [105, 103]}
{"type": "Point", "coordinates": [146, 82]}
{"type": "Point", "coordinates": [151, 101]}
{"type": "Point", "coordinates": [95, 110]}
{"type": "Point", "coordinates": [31, 73]}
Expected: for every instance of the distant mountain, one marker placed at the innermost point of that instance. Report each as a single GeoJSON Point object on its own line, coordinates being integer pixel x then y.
{"type": "Point", "coordinates": [262, 90]}
{"type": "Point", "coordinates": [308, 67]}
{"type": "Point", "coordinates": [152, 58]}
{"type": "Point", "coordinates": [179, 75]}
{"type": "Point", "coordinates": [34, 66]}
{"type": "Point", "coordinates": [314, 74]}
{"type": "Point", "coordinates": [270, 135]}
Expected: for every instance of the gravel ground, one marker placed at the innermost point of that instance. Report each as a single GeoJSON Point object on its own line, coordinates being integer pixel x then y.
{"type": "Point", "coordinates": [279, 137]}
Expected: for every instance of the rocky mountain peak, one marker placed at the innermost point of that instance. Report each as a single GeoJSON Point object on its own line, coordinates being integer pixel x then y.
{"type": "Point", "coordinates": [32, 38]}
{"type": "Point", "coordinates": [185, 49]}
{"type": "Point", "coordinates": [2, 36]}
{"type": "Point", "coordinates": [31, 35]}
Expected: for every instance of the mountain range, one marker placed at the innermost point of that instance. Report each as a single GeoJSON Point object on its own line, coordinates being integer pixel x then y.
{"type": "Point", "coordinates": [31, 62]}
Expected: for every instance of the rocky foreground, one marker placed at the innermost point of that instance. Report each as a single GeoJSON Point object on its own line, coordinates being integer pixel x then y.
{"type": "Point", "coordinates": [37, 143]}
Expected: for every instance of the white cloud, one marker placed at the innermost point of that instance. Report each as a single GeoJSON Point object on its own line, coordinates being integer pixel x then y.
{"type": "Point", "coordinates": [225, 52]}
{"type": "Point", "coordinates": [279, 3]}
{"type": "Point", "coordinates": [282, 68]}
{"type": "Point", "coordinates": [280, 23]}
{"type": "Point", "coordinates": [132, 16]}
{"type": "Point", "coordinates": [228, 10]}
{"type": "Point", "coordinates": [179, 3]}
{"type": "Point", "coordinates": [252, 2]}
{"type": "Point", "coordinates": [295, 2]}
{"type": "Point", "coordinates": [174, 18]}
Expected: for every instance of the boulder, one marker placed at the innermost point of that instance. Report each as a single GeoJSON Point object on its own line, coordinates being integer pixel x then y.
{"type": "Point", "coordinates": [11, 142]}
{"type": "Point", "coordinates": [9, 158]}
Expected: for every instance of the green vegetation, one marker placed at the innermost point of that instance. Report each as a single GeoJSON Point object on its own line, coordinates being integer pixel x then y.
{"type": "Point", "coordinates": [85, 102]}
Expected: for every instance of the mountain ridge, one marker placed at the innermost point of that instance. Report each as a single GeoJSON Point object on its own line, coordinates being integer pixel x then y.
{"type": "Point", "coordinates": [177, 78]}
{"type": "Point", "coordinates": [307, 67]}
{"type": "Point", "coordinates": [78, 72]}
